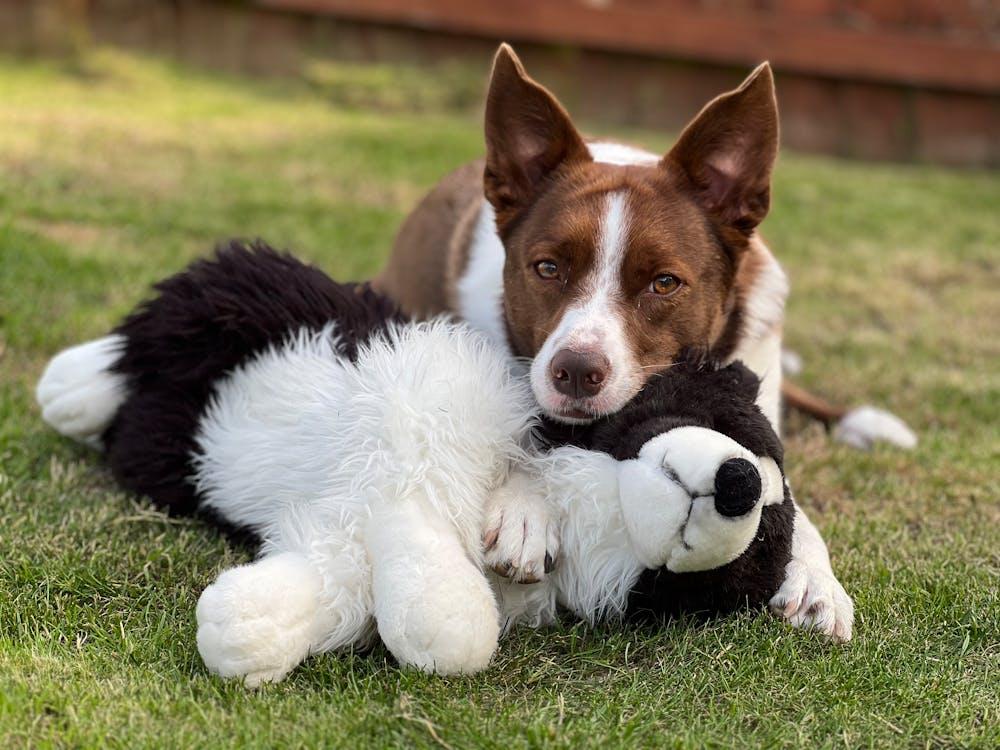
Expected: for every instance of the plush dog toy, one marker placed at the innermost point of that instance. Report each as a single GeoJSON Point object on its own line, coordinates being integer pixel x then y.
{"type": "Point", "coordinates": [360, 450]}
{"type": "Point", "coordinates": [677, 503]}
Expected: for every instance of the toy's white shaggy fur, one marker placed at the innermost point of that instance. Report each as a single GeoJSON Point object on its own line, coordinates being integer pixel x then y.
{"type": "Point", "coordinates": [368, 484]}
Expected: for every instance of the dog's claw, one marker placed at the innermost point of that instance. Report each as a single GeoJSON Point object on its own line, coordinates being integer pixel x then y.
{"type": "Point", "coordinates": [490, 539]}
{"type": "Point", "coordinates": [791, 608]}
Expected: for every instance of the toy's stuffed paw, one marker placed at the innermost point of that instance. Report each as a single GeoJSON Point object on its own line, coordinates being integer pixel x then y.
{"type": "Point", "coordinates": [255, 622]}
{"type": "Point", "coordinates": [521, 536]}
{"type": "Point", "coordinates": [813, 598]}
{"type": "Point", "coordinates": [78, 392]}
{"type": "Point", "coordinates": [447, 624]}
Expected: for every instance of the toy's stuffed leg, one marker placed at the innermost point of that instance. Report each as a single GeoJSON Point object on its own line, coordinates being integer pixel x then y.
{"type": "Point", "coordinates": [434, 607]}
{"type": "Point", "coordinates": [78, 392]}
{"type": "Point", "coordinates": [259, 621]}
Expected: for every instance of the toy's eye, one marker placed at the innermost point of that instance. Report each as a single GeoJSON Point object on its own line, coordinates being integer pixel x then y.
{"type": "Point", "coordinates": [665, 284]}
{"type": "Point", "coordinates": [547, 269]}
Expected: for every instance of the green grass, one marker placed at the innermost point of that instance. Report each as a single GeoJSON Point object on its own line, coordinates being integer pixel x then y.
{"type": "Point", "coordinates": [116, 174]}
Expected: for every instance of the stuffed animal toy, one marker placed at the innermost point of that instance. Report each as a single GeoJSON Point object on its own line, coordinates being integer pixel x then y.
{"type": "Point", "coordinates": [677, 503]}
{"type": "Point", "coordinates": [360, 451]}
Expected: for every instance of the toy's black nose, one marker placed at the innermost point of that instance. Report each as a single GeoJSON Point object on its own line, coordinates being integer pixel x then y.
{"type": "Point", "coordinates": [737, 487]}
{"type": "Point", "coordinates": [579, 374]}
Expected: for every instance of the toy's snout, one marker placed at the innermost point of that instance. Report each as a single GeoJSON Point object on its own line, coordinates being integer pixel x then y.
{"type": "Point", "coordinates": [692, 499]}
{"type": "Point", "coordinates": [737, 487]}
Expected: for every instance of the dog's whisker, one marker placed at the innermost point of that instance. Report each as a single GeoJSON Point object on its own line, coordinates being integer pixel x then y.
{"type": "Point", "coordinates": [660, 366]}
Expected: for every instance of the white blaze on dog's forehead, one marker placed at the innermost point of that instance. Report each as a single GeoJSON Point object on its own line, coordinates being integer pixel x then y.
{"type": "Point", "coordinates": [593, 323]}
{"type": "Point", "coordinates": [612, 243]}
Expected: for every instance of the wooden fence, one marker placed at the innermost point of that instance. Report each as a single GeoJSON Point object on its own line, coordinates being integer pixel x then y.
{"type": "Point", "coordinates": [953, 44]}
{"type": "Point", "coordinates": [911, 80]}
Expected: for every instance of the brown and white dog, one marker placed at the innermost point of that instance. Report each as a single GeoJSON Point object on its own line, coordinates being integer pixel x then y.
{"type": "Point", "coordinates": [599, 264]}
{"type": "Point", "coordinates": [599, 261]}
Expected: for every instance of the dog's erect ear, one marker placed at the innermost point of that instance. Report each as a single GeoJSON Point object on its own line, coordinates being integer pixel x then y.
{"type": "Point", "coordinates": [727, 152]}
{"type": "Point", "coordinates": [528, 136]}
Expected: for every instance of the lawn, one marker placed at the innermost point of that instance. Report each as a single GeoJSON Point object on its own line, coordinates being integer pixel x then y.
{"type": "Point", "coordinates": [116, 172]}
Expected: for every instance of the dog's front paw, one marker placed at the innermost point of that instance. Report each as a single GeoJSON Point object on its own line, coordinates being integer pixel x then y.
{"type": "Point", "coordinates": [521, 536]}
{"type": "Point", "coordinates": [813, 598]}
{"type": "Point", "coordinates": [256, 621]}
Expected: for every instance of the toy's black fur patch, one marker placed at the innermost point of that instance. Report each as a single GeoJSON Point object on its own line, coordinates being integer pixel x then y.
{"type": "Point", "coordinates": [701, 394]}
{"type": "Point", "coordinates": [204, 322]}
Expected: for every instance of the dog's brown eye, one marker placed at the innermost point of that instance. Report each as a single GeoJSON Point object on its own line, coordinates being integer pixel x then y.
{"type": "Point", "coordinates": [665, 284]}
{"type": "Point", "coordinates": [547, 269]}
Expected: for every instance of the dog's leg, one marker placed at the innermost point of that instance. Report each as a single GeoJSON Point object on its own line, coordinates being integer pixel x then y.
{"type": "Point", "coordinates": [811, 596]}
{"type": "Point", "coordinates": [521, 540]}
{"type": "Point", "coordinates": [434, 607]}
{"type": "Point", "coordinates": [313, 594]}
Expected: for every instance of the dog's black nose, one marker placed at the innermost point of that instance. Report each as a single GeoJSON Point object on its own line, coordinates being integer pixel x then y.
{"type": "Point", "coordinates": [737, 487]}
{"type": "Point", "coordinates": [579, 374]}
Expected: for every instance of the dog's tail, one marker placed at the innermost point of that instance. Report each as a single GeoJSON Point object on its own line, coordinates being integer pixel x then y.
{"type": "Point", "coordinates": [859, 427]}
{"type": "Point", "coordinates": [80, 393]}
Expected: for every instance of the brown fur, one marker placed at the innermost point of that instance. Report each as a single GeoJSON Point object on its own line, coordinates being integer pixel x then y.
{"type": "Point", "coordinates": [431, 247]}
{"type": "Point", "coordinates": [797, 397]}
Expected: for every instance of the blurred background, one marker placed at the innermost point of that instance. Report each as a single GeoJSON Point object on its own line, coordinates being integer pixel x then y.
{"type": "Point", "coordinates": [906, 80]}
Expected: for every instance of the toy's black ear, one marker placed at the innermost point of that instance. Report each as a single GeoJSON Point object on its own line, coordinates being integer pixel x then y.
{"type": "Point", "coordinates": [738, 378]}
